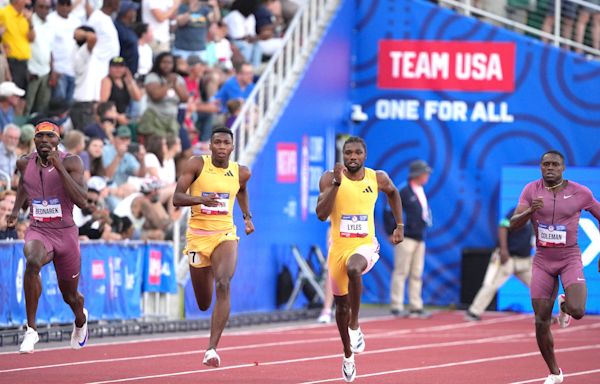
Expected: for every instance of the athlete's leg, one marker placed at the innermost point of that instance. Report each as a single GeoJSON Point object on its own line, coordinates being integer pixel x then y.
{"type": "Point", "coordinates": [224, 260]}
{"type": "Point", "coordinates": [36, 257]}
{"type": "Point", "coordinates": [342, 317]}
{"type": "Point", "coordinates": [575, 297]}
{"type": "Point", "coordinates": [71, 296]}
{"type": "Point", "coordinates": [543, 318]}
{"type": "Point", "coordinates": [355, 267]}
{"type": "Point", "coordinates": [202, 281]}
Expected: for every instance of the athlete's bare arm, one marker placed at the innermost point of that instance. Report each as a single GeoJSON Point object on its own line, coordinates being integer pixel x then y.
{"type": "Point", "coordinates": [328, 191]}
{"type": "Point", "coordinates": [191, 170]}
{"type": "Point", "coordinates": [523, 213]}
{"type": "Point", "coordinates": [71, 171]}
{"type": "Point", "coordinates": [22, 197]}
{"type": "Point", "coordinates": [243, 200]}
{"type": "Point", "coordinates": [385, 185]}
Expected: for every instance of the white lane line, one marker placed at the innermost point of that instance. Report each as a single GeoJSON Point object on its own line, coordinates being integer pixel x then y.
{"type": "Point", "coordinates": [263, 345]}
{"type": "Point", "coordinates": [581, 373]}
{"type": "Point", "coordinates": [464, 362]}
{"type": "Point", "coordinates": [337, 356]}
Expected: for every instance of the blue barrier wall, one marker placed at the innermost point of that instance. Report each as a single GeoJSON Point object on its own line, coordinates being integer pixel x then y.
{"type": "Point", "coordinates": [543, 98]}
{"type": "Point", "coordinates": [113, 277]}
{"type": "Point", "coordinates": [284, 184]}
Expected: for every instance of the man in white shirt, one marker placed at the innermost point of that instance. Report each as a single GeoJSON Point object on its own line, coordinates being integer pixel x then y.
{"type": "Point", "coordinates": [107, 45]}
{"type": "Point", "coordinates": [158, 13]}
{"type": "Point", "coordinates": [39, 66]}
{"type": "Point", "coordinates": [82, 112]}
{"type": "Point", "coordinates": [63, 46]}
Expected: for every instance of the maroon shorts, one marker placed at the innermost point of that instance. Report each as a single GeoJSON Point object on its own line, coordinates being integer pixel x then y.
{"type": "Point", "coordinates": [549, 264]}
{"type": "Point", "coordinates": [63, 243]}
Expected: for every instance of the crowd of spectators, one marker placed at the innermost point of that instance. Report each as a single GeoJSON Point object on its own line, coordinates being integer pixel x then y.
{"type": "Point", "coordinates": [135, 87]}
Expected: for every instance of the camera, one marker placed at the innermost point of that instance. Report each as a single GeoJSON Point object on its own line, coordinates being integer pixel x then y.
{"type": "Point", "coordinates": [133, 148]}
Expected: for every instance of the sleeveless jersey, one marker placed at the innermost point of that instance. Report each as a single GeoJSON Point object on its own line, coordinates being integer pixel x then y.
{"type": "Point", "coordinates": [225, 182]}
{"type": "Point", "coordinates": [50, 204]}
{"type": "Point", "coordinates": [352, 221]}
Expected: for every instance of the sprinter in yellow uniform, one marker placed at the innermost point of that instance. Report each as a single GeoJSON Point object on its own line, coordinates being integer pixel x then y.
{"type": "Point", "coordinates": [210, 184]}
{"type": "Point", "coordinates": [348, 196]}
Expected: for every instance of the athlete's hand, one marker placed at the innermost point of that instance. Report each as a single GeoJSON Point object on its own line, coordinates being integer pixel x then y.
{"type": "Point", "coordinates": [249, 226]}
{"type": "Point", "coordinates": [338, 170]}
{"type": "Point", "coordinates": [537, 203]}
{"type": "Point", "coordinates": [54, 159]}
{"type": "Point", "coordinates": [504, 256]}
{"type": "Point", "coordinates": [11, 221]}
{"type": "Point", "coordinates": [398, 235]}
{"type": "Point", "coordinates": [210, 200]}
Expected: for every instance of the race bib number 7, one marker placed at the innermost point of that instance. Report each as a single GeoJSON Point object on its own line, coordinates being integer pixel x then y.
{"type": "Point", "coordinates": [354, 226]}
{"type": "Point", "coordinates": [221, 209]}
{"type": "Point", "coordinates": [552, 235]}
{"type": "Point", "coordinates": [46, 210]}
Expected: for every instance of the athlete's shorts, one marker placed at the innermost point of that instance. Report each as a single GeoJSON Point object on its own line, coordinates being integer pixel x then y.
{"type": "Point", "coordinates": [337, 262]}
{"type": "Point", "coordinates": [64, 244]}
{"type": "Point", "coordinates": [548, 264]}
{"type": "Point", "coordinates": [200, 246]}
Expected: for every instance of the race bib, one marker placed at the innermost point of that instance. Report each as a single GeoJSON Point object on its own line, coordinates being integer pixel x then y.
{"type": "Point", "coordinates": [354, 226]}
{"type": "Point", "coordinates": [221, 209]}
{"type": "Point", "coordinates": [46, 210]}
{"type": "Point", "coordinates": [552, 235]}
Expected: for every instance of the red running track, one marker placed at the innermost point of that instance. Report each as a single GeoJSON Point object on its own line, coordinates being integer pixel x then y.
{"type": "Point", "coordinates": [443, 349]}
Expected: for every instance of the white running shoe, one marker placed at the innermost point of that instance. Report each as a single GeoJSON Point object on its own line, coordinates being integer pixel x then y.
{"type": "Point", "coordinates": [357, 340]}
{"type": "Point", "coordinates": [79, 336]}
{"type": "Point", "coordinates": [348, 369]}
{"type": "Point", "coordinates": [324, 318]}
{"type": "Point", "coordinates": [211, 358]}
{"type": "Point", "coordinates": [563, 318]}
{"type": "Point", "coordinates": [555, 379]}
{"type": "Point", "coordinates": [29, 341]}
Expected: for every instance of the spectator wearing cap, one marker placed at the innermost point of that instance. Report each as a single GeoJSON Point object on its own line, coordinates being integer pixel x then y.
{"type": "Point", "coordinates": [120, 88]}
{"type": "Point", "coordinates": [193, 20]}
{"type": "Point", "coordinates": [62, 77]}
{"type": "Point", "coordinates": [40, 64]}
{"type": "Point", "coordinates": [9, 102]}
{"type": "Point", "coordinates": [26, 145]}
{"type": "Point", "coordinates": [8, 150]}
{"type": "Point", "coordinates": [120, 164]}
{"type": "Point", "coordinates": [237, 87]}
{"type": "Point", "coordinates": [128, 39]}
{"type": "Point", "coordinates": [105, 124]}
{"type": "Point", "coordinates": [158, 13]}
{"type": "Point", "coordinates": [409, 256]}
{"type": "Point", "coordinates": [17, 36]}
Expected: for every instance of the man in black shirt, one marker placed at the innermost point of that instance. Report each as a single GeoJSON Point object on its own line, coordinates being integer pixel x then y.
{"type": "Point", "coordinates": [512, 257]}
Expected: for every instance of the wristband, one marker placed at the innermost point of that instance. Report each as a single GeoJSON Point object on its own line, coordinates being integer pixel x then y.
{"type": "Point", "coordinates": [399, 225]}
{"type": "Point", "coordinates": [247, 216]}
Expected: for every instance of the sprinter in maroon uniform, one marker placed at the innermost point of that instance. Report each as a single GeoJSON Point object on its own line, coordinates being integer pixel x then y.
{"type": "Point", "coordinates": [51, 183]}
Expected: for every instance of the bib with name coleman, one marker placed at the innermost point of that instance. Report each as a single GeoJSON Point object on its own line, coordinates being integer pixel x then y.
{"type": "Point", "coordinates": [221, 209]}
{"type": "Point", "coordinates": [354, 226]}
{"type": "Point", "coordinates": [551, 235]}
{"type": "Point", "coordinates": [46, 210]}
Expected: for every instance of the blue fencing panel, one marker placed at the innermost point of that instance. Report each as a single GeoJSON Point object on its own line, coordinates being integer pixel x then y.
{"type": "Point", "coordinates": [514, 296]}
{"type": "Point", "coordinates": [159, 268]}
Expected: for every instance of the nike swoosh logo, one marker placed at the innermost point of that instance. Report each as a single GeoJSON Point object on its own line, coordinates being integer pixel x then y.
{"type": "Point", "coordinates": [580, 279]}
{"type": "Point", "coordinates": [567, 196]}
{"type": "Point", "coordinates": [51, 169]}
{"type": "Point", "coordinates": [75, 275]}
{"type": "Point", "coordinates": [84, 340]}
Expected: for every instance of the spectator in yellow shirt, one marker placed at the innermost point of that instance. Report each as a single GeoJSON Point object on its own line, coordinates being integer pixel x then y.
{"type": "Point", "coordinates": [15, 18]}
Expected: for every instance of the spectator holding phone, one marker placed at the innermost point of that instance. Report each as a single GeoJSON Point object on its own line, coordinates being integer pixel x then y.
{"type": "Point", "coordinates": [105, 124]}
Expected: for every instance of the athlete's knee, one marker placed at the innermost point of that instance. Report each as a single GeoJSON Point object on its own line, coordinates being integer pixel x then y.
{"type": "Point", "coordinates": [34, 255]}
{"type": "Point", "coordinates": [72, 298]}
{"type": "Point", "coordinates": [354, 271]}
{"type": "Point", "coordinates": [576, 312]}
{"type": "Point", "coordinates": [342, 308]}
{"type": "Point", "coordinates": [542, 322]}
{"type": "Point", "coordinates": [223, 284]}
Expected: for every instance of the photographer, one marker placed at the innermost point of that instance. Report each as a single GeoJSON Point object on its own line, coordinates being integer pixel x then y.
{"type": "Point", "coordinates": [105, 124]}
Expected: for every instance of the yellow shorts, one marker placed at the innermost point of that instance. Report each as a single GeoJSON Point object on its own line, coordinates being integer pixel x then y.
{"type": "Point", "coordinates": [199, 248]}
{"type": "Point", "coordinates": [337, 261]}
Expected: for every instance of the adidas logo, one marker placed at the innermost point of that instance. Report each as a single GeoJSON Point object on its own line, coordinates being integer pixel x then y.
{"type": "Point", "coordinates": [368, 190]}
{"type": "Point", "coordinates": [229, 173]}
